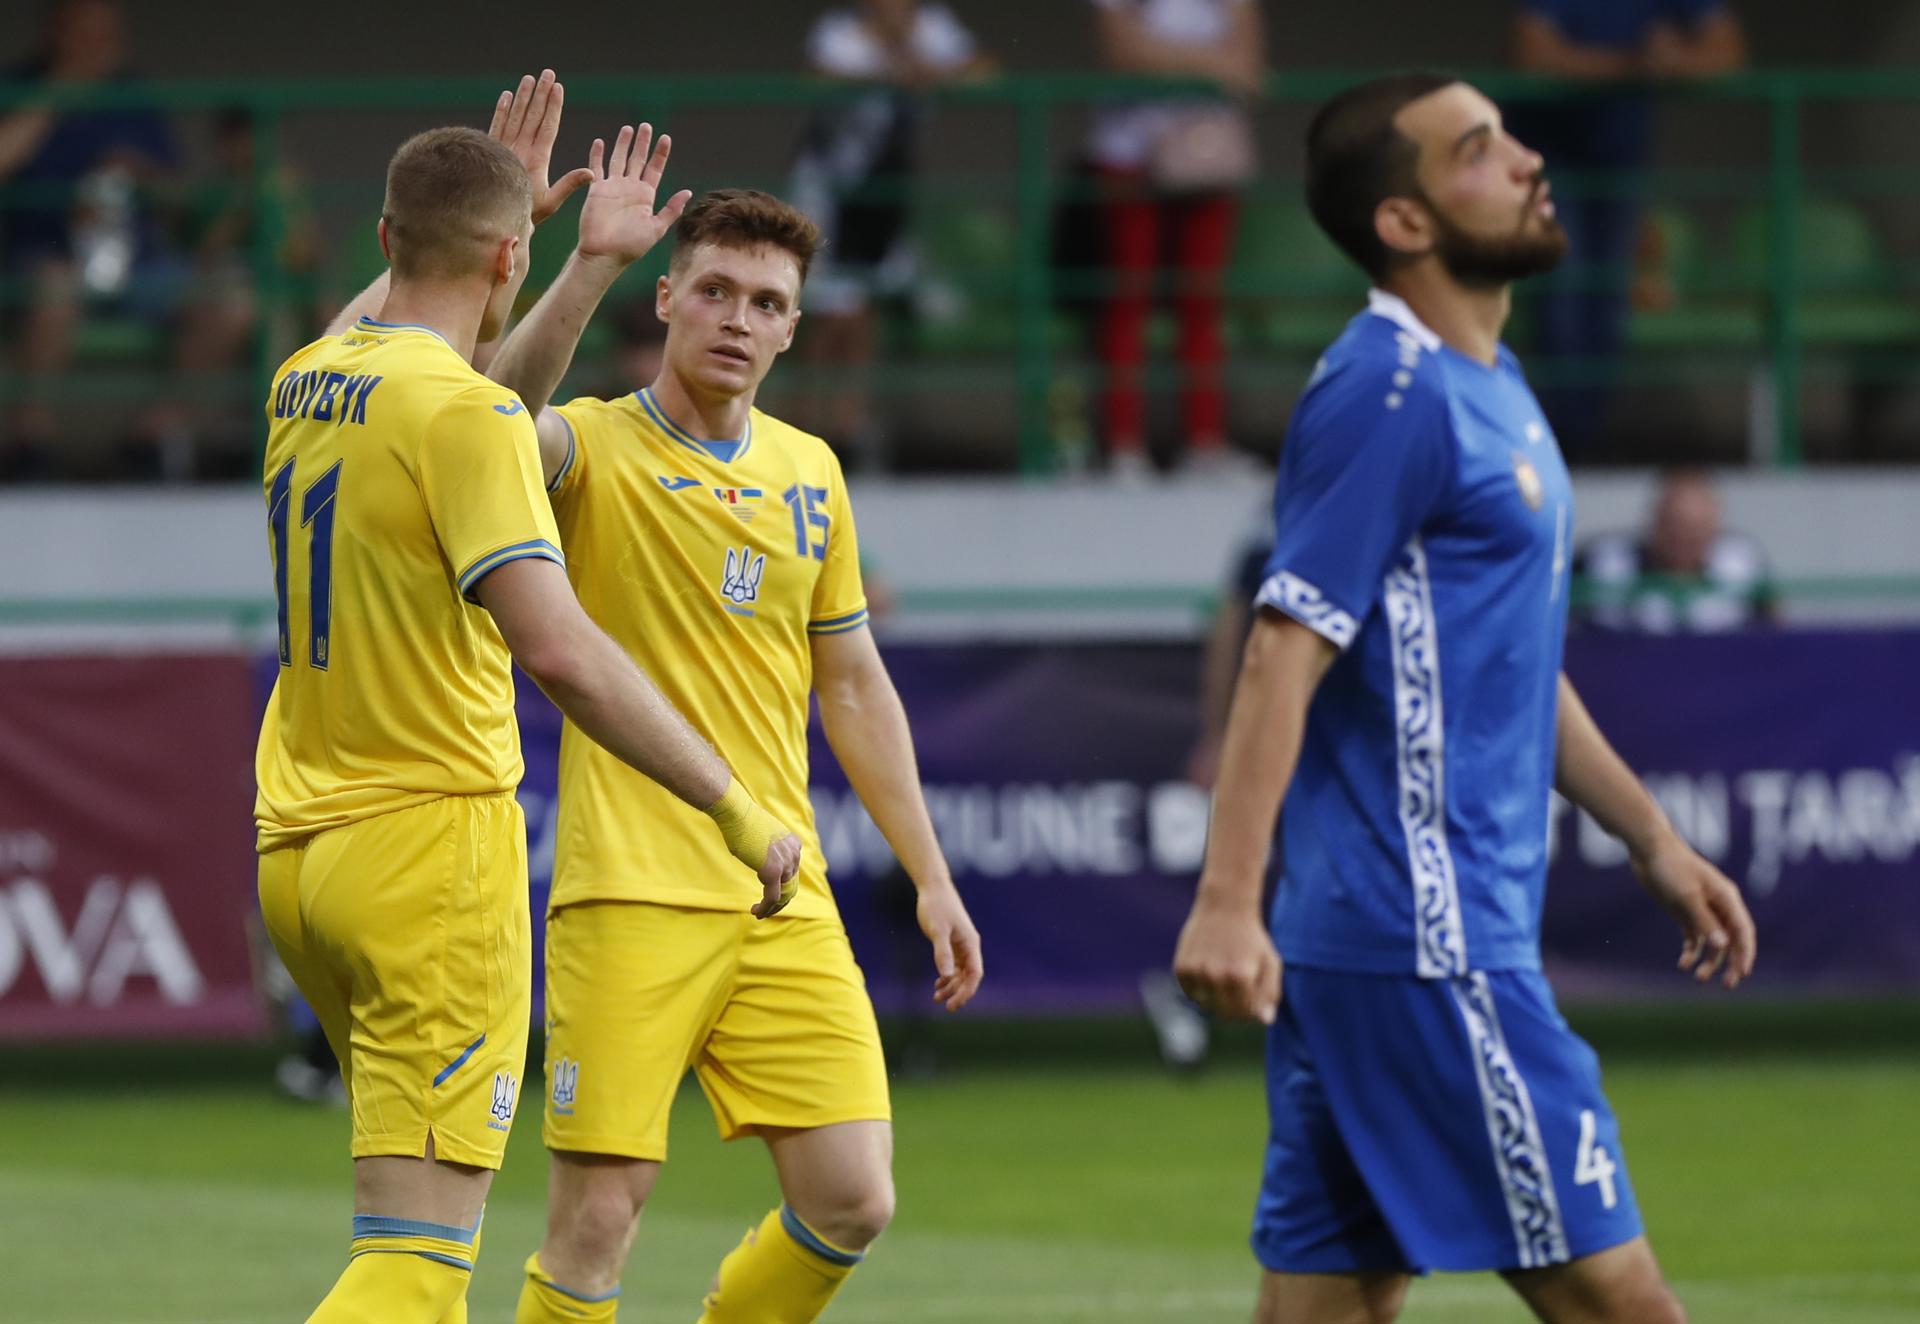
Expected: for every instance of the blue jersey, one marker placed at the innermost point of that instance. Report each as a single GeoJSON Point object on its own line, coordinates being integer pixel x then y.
{"type": "Point", "coordinates": [1424, 516]}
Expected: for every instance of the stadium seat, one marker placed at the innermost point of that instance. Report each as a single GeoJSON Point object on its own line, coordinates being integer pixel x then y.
{"type": "Point", "coordinates": [1848, 286]}
{"type": "Point", "coordinates": [1292, 290]}
{"type": "Point", "coordinates": [1714, 305]}
{"type": "Point", "coordinates": [971, 282]}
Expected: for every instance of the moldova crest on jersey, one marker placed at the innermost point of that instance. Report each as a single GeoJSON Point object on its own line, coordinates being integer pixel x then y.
{"type": "Point", "coordinates": [740, 500]}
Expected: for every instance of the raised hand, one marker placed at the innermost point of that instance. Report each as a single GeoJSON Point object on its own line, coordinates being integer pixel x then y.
{"type": "Point", "coordinates": [1718, 935]}
{"type": "Point", "coordinates": [528, 120]}
{"type": "Point", "coordinates": [619, 221]}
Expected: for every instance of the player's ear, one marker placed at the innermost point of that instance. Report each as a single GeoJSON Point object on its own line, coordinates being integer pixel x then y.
{"type": "Point", "coordinates": [507, 261]}
{"type": "Point", "coordinates": [793, 324]}
{"type": "Point", "coordinates": [1404, 226]}
{"type": "Point", "coordinates": [663, 299]}
{"type": "Point", "coordinates": [386, 248]}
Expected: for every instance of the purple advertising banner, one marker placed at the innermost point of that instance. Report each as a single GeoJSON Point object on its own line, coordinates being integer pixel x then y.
{"type": "Point", "coordinates": [126, 847]}
{"type": "Point", "coordinates": [1054, 776]}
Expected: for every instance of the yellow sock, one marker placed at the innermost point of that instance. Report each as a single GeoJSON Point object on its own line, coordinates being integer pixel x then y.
{"type": "Point", "coordinates": [399, 1271]}
{"type": "Point", "coordinates": [543, 1301]}
{"type": "Point", "coordinates": [782, 1273]}
{"type": "Point", "coordinates": [457, 1312]}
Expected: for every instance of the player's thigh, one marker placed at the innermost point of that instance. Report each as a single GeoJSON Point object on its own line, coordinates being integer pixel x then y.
{"type": "Point", "coordinates": [1620, 1285]}
{"type": "Point", "coordinates": [423, 913]}
{"type": "Point", "coordinates": [1331, 1298]}
{"type": "Point", "coordinates": [1474, 1115]}
{"type": "Point", "coordinates": [796, 1045]}
{"type": "Point", "coordinates": [633, 990]}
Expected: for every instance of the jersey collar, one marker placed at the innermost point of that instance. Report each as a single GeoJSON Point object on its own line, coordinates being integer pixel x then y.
{"type": "Point", "coordinates": [368, 324]}
{"type": "Point", "coordinates": [726, 452]}
{"type": "Point", "coordinates": [1395, 310]}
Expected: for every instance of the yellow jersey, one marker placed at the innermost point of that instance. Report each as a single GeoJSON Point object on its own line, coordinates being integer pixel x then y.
{"type": "Point", "coordinates": [396, 477]}
{"type": "Point", "coordinates": [713, 564]}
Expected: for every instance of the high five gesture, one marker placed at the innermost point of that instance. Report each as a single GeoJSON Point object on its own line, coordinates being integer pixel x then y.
{"type": "Point", "coordinates": [620, 222]}
{"type": "Point", "coordinates": [527, 120]}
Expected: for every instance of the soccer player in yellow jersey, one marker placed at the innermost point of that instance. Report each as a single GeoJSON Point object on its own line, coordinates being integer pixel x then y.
{"type": "Point", "coordinates": [717, 545]}
{"type": "Point", "coordinates": [413, 548]}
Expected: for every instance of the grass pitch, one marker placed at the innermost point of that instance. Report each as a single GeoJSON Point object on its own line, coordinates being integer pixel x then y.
{"type": "Point", "coordinates": [1780, 1187]}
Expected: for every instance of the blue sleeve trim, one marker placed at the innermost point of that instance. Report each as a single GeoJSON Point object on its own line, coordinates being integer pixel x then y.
{"type": "Point", "coordinates": [566, 465]}
{"type": "Point", "coordinates": [492, 561]}
{"type": "Point", "coordinates": [811, 1241]}
{"type": "Point", "coordinates": [839, 624]}
{"type": "Point", "coordinates": [378, 1225]}
{"type": "Point", "coordinates": [454, 1066]}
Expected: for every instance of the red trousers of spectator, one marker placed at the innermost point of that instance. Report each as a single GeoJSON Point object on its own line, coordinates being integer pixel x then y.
{"type": "Point", "coordinates": [1140, 225]}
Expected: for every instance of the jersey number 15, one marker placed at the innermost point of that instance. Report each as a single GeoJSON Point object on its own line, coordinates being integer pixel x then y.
{"type": "Point", "coordinates": [316, 513]}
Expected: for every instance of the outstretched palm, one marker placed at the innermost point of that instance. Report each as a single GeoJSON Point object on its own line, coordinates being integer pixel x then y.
{"type": "Point", "coordinates": [527, 120]}
{"type": "Point", "coordinates": [619, 220]}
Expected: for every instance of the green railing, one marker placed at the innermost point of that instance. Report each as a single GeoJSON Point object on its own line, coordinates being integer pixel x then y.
{"type": "Point", "coordinates": [1035, 102]}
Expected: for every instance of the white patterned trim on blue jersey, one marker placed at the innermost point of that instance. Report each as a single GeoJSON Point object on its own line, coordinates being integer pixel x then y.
{"type": "Point", "coordinates": [1440, 944]}
{"type": "Point", "coordinates": [1288, 592]}
{"type": "Point", "coordinates": [1526, 1178]}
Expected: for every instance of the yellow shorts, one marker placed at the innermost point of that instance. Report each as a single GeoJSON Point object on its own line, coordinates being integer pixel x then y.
{"type": "Point", "coordinates": [773, 1016]}
{"type": "Point", "coordinates": [409, 935]}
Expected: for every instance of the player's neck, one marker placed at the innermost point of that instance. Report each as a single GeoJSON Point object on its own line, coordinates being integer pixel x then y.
{"type": "Point", "coordinates": [708, 417]}
{"type": "Point", "coordinates": [1466, 319]}
{"type": "Point", "coordinates": [454, 313]}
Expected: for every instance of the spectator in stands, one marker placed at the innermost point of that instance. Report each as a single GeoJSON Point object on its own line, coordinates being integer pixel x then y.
{"type": "Point", "coordinates": [1685, 575]}
{"type": "Point", "coordinates": [220, 309]}
{"type": "Point", "coordinates": [75, 224]}
{"type": "Point", "coordinates": [1597, 148]}
{"type": "Point", "coordinates": [853, 175]}
{"type": "Point", "coordinates": [1170, 174]}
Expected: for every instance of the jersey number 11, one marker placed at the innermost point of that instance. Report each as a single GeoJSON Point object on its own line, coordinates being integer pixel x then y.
{"type": "Point", "coordinates": [316, 512]}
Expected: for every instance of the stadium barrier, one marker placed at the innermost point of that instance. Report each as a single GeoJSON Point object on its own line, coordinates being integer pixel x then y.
{"type": "Point", "coordinates": [1796, 285]}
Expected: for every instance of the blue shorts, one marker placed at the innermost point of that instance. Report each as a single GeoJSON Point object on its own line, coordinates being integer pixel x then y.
{"type": "Point", "coordinates": [1454, 1124]}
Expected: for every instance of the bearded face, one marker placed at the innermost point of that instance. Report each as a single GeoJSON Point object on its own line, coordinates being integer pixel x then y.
{"type": "Point", "coordinates": [1534, 244]}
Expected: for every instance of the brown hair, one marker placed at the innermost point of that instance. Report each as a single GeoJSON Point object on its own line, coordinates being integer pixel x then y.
{"type": "Point", "coordinates": [1357, 159]}
{"type": "Point", "coordinates": [746, 218]}
{"type": "Point", "coordinates": [451, 195]}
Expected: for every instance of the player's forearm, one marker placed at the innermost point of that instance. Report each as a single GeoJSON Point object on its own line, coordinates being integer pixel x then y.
{"type": "Point", "coordinates": [866, 726]}
{"type": "Point", "coordinates": [598, 687]}
{"type": "Point", "coordinates": [1283, 666]}
{"type": "Point", "coordinates": [21, 134]}
{"type": "Point", "coordinates": [1594, 777]}
{"type": "Point", "coordinates": [536, 356]}
{"type": "Point", "coordinates": [1539, 47]}
{"type": "Point", "coordinates": [1718, 47]}
{"type": "Point", "coordinates": [363, 304]}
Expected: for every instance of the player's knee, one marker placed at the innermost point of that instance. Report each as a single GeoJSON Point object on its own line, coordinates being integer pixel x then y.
{"type": "Point", "coordinates": [1661, 1306]}
{"type": "Point", "coordinates": [599, 1223]}
{"type": "Point", "coordinates": [857, 1220]}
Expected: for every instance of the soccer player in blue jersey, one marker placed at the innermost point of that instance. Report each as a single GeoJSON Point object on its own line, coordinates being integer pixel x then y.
{"type": "Point", "coordinates": [1402, 691]}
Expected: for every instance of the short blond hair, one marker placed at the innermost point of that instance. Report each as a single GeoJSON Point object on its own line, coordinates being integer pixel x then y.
{"type": "Point", "coordinates": [451, 195]}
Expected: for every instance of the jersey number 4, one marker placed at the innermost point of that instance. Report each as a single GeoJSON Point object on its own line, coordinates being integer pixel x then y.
{"type": "Point", "coordinates": [1593, 1164]}
{"type": "Point", "coordinates": [316, 513]}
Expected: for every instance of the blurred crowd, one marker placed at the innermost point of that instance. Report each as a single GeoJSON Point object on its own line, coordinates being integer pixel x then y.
{"type": "Point", "coordinates": [134, 316]}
